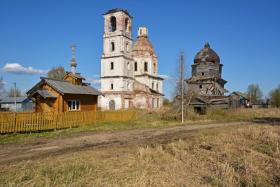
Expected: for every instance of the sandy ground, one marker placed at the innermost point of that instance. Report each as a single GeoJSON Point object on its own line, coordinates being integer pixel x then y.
{"type": "Point", "coordinates": [84, 141]}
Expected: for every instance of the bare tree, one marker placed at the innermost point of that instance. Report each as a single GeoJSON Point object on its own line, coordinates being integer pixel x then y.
{"type": "Point", "coordinates": [57, 73]}
{"type": "Point", "coordinates": [2, 87]}
{"type": "Point", "coordinates": [14, 92]}
{"type": "Point", "coordinates": [254, 93]}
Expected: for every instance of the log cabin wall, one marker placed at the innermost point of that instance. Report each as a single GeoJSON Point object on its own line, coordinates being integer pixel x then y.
{"type": "Point", "coordinates": [73, 80]}
{"type": "Point", "coordinates": [87, 102]}
{"type": "Point", "coordinates": [49, 105]}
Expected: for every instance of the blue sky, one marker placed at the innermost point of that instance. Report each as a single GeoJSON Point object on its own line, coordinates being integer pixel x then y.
{"type": "Point", "coordinates": [245, 34]}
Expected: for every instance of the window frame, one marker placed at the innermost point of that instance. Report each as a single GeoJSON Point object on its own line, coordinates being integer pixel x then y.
{"type": "Point", "coordinates": [113, 46]}
{"type": "Point", "coordinates": [75, 105]}
{"type": "Point", "coordinates": [111, 65]}
{"type": "Point", "coordinates": [146, 66]}
{"type": "Point", "coordinates": [135, 66]}
{"type": "Point", "coordinates": [113, 24]}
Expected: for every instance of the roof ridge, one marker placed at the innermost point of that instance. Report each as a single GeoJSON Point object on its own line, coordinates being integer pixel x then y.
{"type": "Point", "coordinates": [53, 79]}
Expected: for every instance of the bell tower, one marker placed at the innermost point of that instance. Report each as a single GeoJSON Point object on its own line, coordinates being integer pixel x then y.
{"type": "Point", "coordinates": [117, 75]}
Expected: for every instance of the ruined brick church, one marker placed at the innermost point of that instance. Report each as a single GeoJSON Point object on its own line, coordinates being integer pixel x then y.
{"type": "Point", "coordinates": [129, 70]}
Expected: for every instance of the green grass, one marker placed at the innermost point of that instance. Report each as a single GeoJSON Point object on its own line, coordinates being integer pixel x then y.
{"type": "Point", "coordinates": [149, 122]}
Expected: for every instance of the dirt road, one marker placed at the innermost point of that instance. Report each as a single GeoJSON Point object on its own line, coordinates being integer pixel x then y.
{"type": "Point", "coordinates": [139, 137]}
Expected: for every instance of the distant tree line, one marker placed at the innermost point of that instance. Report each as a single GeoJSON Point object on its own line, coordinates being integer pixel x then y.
{"type": "Point", "coordinates": [255, 95]}
{"type": "Point", "coordinates": [275, 97]}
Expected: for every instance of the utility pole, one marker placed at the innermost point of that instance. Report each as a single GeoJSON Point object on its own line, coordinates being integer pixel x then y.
{"type": "Point", "coordinates": [182, 85]}
{"type": "Point", "coordinates": [15, 95]}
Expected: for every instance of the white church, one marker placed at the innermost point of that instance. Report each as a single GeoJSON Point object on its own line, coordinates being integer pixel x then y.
{"type": "Point", "coordinates": [129, 70]}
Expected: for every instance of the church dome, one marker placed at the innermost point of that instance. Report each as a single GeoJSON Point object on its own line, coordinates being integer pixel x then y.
{"type": "Point", "coordinates": [206, 54]}
{"type": "Point", "coordinates": [142, 44]}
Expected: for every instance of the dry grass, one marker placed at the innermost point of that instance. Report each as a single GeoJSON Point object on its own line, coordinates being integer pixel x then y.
{"type": "Point", "coordinates": [247, 156]}
{"type": "Point", "coordinates": [148, 119]}
{"type": "Point", "coordinates": [239, 114]}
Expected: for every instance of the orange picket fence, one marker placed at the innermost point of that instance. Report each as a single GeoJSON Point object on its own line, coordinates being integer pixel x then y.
{"type": "Point", "coordinates": [30, 121]}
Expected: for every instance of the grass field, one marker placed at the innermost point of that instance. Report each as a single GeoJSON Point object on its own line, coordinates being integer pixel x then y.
{"type": "Point", "coordinates": [243, 156]}
{"type": "Point", "coordinates": [148, 120]}
{"type": "Point", "coordinates": [229, 156]}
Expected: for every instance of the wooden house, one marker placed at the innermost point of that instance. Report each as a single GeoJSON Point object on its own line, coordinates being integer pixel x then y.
{"type": "Point", "coordinates": [69, 94]}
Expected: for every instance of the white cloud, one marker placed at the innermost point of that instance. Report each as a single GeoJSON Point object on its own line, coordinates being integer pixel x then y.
{"type": "Point", "coordinates": [166, 77]}
{"type": "Point", "coordinates": [2, 82]}
{"type": "Point", "coordinates": [95, 81]}
{"type": "Point", "coordinates": [96, 75]}
{"type": "Point", "coordinates": [18, 68]}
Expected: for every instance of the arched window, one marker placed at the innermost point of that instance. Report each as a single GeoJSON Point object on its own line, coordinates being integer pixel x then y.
{"type": "Point", "coordinates": [112, 86]}
{"type": "Point", "coordinates": [112, 46]}
{"type": "Point", "coordinates": [112, 65]}
{"type": "Point", "coordinates": [152, 85]}
{"type": "Point", "coordinates": [154, 68]}
{"type": "Point", "coordinates": [145, 66]}
{"type": "Point", "coordinates": [157, 86]}
{"type": "Point", "coordinates": [112, 105]}
{"type": "Point", "coordinates": [113, 24]}
{"type": "Point", "coordinates": [135, 66]}
{"type": "Point", "coordinates": [126, 24]}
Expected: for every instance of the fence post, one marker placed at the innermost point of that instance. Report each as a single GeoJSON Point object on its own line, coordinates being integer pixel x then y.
{"type": "Point", "coordinates": [15, 116]}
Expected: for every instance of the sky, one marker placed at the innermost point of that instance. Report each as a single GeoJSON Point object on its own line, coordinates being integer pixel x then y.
{"type": "Point", "coordinates": [35, 36]}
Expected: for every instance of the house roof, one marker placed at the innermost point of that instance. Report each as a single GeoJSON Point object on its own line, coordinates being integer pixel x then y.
{"type": "Point", "coordinates": [117, 10]}
{"type": "Point", "coordinates": [76, 75]}
{"type": "Point", "coordinates": [65, 87]}
{"type": "Point", "coordinates": [12, 100]}
{"type": "Point", "coordinates": [45, 94]}
{"type": "Point", "coordinates": [206, 54]}
{"type": "Point", "coordinates": [245, 96]}
{"type": "Point", "coordinates": [140, 87]}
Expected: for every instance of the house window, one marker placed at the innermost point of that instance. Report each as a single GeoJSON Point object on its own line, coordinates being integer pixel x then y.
{"type": "Point", "coordinates": [157, 86]}
{"type": "Point", "coordinates": [200, 86]}
{"type": "Point", "coordinates": [113, 24]}
{"type": "Point", "coordinates": [112, 46]}
{"type": "Point", "coordinates": [202, 73]}
{"type": "Point", "coordinates": [152, 85]}
{"type": "Point", "coordinates": [73, 105]}
{"type": "Point", "coordinates": [112, 65]}
{"type": "Point", "coordinates": [112, 86]}
{"type": "Point", "coordinates": [135, 66]}
{"type": "Point", "coordinates": [146, 66]}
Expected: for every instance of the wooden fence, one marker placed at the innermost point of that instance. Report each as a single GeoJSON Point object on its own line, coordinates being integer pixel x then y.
{"type": "Point", "coordinates": [29, 121]}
